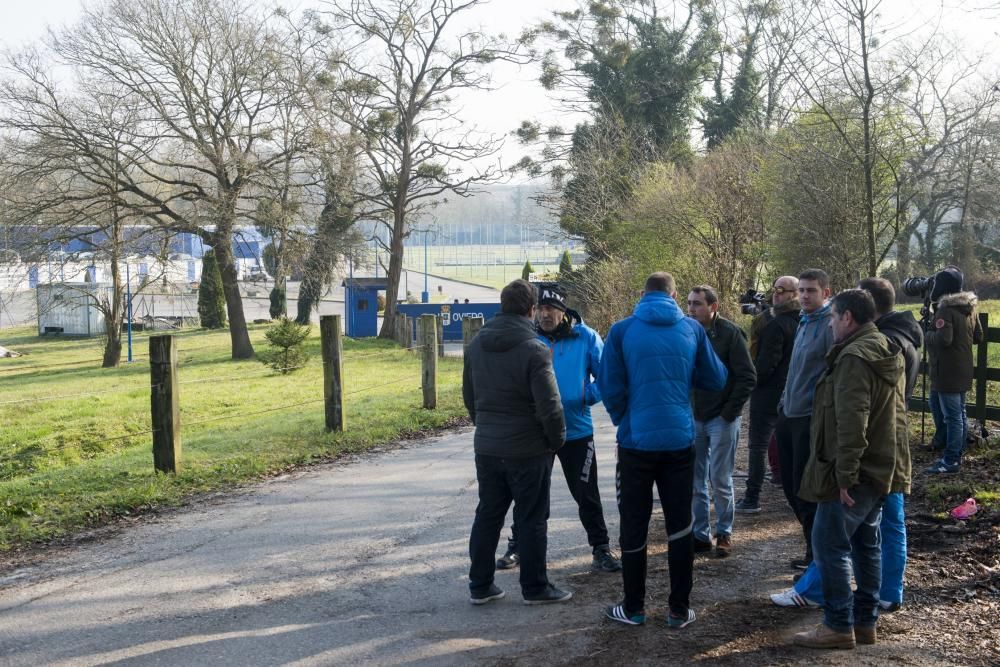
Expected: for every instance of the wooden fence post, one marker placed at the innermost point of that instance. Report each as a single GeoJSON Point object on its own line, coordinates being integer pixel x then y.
{"type": "Point", "coordinates": [982, 371]}
{"type": "Point", "coordinates": [427, 337]}
{"type": "Point", "coordinates": [333, 372]}
{"type": "Point", "coordinates": [470, 327]}
{"type": "Point", "coordinates": [440, 336]}
{"type": "Point", "coordinates": [165, 403]}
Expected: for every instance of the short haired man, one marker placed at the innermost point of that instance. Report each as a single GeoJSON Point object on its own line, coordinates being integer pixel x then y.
{"type": "Point", "coordinates": [851, 468]}
{"type": "Point", "coordinates": [576, 358]}
{"type": "Point", "coordinates": [771, 354]}
{"type": "Point", "coordinates": [717, 423]}
{"type": "Point", "coordinates": [519, 425]}
{"type": "Point", "coordinates": [813, 338]}
{"type": "Point", "coordinates": [652, 360]}
{"type": "Point", "coordinates": [954, 329]}
{"type": "Point", "coordinates": [904, 332]}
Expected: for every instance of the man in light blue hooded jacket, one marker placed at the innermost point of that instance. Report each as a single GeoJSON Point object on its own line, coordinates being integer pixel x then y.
{"type": "Point", "coordinates": [576, 358]}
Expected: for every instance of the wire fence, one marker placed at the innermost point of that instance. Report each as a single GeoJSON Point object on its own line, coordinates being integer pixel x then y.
{"type": "Point", "coordinates": [49, 448]}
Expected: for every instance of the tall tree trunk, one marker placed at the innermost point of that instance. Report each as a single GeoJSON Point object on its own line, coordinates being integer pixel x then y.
{"type": "Point", "coordinates": [238, 334]}
{"type": "Point", "coordinates": [114, 311]}
{"type": "Point", "coordinates": [903, 257]}
{"type": "Point", "coordinates": [393, 275]}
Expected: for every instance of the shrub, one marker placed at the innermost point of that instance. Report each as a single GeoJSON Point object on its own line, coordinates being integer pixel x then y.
{"type": "Point", "coordinates": [278, 302]}
{"type": "Point", "coordinates": [527, 270]}
{"type": "Point", "coordinates": [566, 263]}
{"type": "Point", "coordinates": [211, 298]}
{"type": "Point", "coordinates": [285, 339]}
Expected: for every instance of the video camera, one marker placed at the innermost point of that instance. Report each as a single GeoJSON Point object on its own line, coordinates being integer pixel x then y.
{"type": "Point", "coordinates": [753, 302]}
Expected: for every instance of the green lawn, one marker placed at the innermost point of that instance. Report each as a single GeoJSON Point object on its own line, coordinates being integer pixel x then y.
{"type": "Point", "coordinates": [494, 265]}
{"type": "Point", "coordinates": [67, 459]}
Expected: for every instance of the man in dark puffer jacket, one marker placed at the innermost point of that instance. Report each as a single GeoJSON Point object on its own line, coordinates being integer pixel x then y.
{"type": "Point", "coordinates": [510, 391]}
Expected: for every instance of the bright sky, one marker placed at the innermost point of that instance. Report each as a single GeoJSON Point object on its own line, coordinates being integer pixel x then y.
{"type": "Point", "coordinates": [520, 97]}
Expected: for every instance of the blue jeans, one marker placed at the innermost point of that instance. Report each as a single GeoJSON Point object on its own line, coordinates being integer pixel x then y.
{"type": "Point", "coordinates": [948, 411]}
{"type": "Point", "coordinates": [715, 456]}
{"type": "Point", "coordinates": [893, 530]}
{"type": "Point", "coordinates": [845, 539]}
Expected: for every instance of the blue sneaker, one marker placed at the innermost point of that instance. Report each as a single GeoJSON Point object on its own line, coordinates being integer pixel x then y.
{"type": "Point", "coordinates": [617, 613]}
{"type": "Point", "coordinates": [682, 621]}
{"type": "Point", "coordinates": [942, 467]}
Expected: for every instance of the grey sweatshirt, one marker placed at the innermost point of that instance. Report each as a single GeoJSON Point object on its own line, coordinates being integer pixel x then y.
{"type": "Point", "coordinates": [813, 339]}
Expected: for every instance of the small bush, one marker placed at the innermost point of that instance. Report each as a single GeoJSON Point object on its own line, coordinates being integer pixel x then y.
{"type": "Point", "coordinates": [278, 302]}
{"type": "Point", "coordinates": [566, 263]}
{"type": "Point", "coordinates": [211, 298]}
{"type": "Point", "coordinates": [527, 270]}
{"type": "Point", "coordinates": [285, 339]}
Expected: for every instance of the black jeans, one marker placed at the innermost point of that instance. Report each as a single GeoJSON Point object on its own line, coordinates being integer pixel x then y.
{"type": "Point", "coordinates": [761, 426]}
{"type": "Point", "coordinates": [526, 483]}
{"type": "Point", "coordinates": [673, 475]}
{"type": "Point", "coordinates": [792, 434]}
{"type": "Point", "coordinates": [578, 459]}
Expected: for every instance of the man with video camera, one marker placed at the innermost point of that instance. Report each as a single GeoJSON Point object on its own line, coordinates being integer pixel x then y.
{"type": "Point", "coordinates": [952, 329]}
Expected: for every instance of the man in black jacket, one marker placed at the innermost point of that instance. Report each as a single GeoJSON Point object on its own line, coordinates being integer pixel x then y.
{"type": "Point", "coordinates": [510, 391]}
{"type": "Point", "coordinates": [717, 423]}
{"type": "Point", "coordinates": [773, 350]}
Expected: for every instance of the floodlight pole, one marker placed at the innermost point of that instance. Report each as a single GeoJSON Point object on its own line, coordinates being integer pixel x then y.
{"type": "Point", "coordinates": [425, 296]}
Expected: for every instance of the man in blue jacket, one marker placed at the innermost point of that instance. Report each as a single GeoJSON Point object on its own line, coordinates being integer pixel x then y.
{"type": "Point", "coordinates": [576, 358]}
{"type": "Point", "coordinates": [651, 362]}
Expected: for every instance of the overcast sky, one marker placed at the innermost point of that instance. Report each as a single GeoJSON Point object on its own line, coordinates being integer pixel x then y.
{"type": "Point", "coordinates": [519, 96]}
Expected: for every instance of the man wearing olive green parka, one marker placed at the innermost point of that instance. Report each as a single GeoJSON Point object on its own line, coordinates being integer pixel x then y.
{"type": "Point", "coordinates": [852, 466]}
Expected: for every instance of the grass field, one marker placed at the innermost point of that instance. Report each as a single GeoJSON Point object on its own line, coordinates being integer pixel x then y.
{"type": "Point", "coordinates": [67, 459]}
{"type": "Point", "coordinates": [494, 265]}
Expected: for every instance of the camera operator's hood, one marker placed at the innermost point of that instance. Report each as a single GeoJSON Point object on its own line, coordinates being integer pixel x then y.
{"type": "Point", "coordinates": [964, 302]}
{"type": "Point", "coordinates": [947, 281]}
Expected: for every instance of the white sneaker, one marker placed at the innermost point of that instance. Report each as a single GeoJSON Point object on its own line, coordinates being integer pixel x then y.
{"type": "Point", "coordinates": [790, 598]}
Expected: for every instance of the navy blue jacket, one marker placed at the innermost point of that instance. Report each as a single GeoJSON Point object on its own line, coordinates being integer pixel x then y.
{"type": "Point", "coordinates": [651, 362]}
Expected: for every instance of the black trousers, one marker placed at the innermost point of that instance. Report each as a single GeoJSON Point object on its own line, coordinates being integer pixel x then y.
{"type": "Point", "coordinates": [525, 482]}
{"type": "Point", "coordinates": [761, 427]}
{"type": "Point", "coordinates": [792, 434]}
{"type": "Point", "coordinates": [578, 459]}
{"type": "Point", "coordinates": [673, 475]}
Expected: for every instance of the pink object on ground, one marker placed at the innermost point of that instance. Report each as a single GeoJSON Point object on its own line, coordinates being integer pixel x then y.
{"type": "Point", "coordinates": [965, 510]}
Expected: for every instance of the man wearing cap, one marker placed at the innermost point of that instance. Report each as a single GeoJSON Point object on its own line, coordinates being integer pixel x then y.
{"type": "Point", "coordinates": [576, 358]}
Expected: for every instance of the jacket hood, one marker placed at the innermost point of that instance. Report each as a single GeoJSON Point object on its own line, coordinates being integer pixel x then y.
{"type": "Point", "coordinates": [880, 353]}
{"type": "Point", "coordinates": [658, 308]}
{"type": "Point", "coordinates": [506, 331]}
{"type": "Point", "coordinates": [963, 301]}
{"type": "Point", "coordinates": [903, 323]}
{"type": "Point", "coordinates": [792, 306]}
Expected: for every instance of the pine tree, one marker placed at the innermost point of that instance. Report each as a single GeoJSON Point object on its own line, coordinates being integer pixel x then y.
{"type": "Point", "coordinates": [286, 339]}
{"type": "Point", "coordinates": [527, 270]}
{"type": "Point", "coordinates": [278, 301]}
{"type": "Point", "coordinates": [566, 263]}
{"type": "Point", "coordinates": [211, 299]}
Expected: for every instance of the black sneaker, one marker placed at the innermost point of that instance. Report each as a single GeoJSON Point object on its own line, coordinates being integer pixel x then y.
{"type": "Point", "coordinates": [701, 546]}
{"type": "Point", "coordinates": [549, 596]}
{"type": "Point", "coordinates": [801, 563]}
{"type": "Point", "coordinates": [748, 505]}
{"type": "Point", "coordinates": [482, 597]}
{"type": "Point", "coordinates": [509, 560]}
{"type": "Point", "coordinates": [604, 560]}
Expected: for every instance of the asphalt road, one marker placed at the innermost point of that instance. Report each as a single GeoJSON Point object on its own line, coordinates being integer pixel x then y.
{"type": "Point", "coordinates": [362, 562]}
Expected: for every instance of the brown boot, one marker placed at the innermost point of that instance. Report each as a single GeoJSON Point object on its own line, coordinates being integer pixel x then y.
{"type": "Point", "coordinates": [864, 634]}
{"type": "Point", "coordinates": [823, 637]}
{"type": "Point", "coordinates": [723, 546]}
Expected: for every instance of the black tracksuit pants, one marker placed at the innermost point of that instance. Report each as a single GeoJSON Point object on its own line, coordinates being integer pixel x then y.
{"type": "Point", "coordinates": [525, 482]}
{"type": "Point", "coordinates": [578, 459]}
{"type": "Point", "coordinates": [673, 474]}
{"type": "Point", "coordinates": [792, 434]}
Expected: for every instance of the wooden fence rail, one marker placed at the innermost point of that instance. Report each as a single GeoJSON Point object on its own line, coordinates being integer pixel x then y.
{"type": "Point", "coordinates": [165, 395]}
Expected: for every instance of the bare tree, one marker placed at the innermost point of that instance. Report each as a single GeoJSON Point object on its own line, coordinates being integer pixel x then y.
{"type": "Point", "coordinates": [854, 83]}
{"type": "Point", "coordinates": [204, 73]}
{"type": "Point", "coordinates": [399, 78]}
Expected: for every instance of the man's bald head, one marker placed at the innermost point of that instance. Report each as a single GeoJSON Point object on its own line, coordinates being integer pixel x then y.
{"type": "Point", "coordinates": [784, 289]}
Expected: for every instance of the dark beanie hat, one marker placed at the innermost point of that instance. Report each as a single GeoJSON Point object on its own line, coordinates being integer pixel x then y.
{"type": "Point", "coordinates": [947, 281]}
{"type": "Point", "coordinates": [551, 295]}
